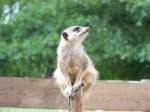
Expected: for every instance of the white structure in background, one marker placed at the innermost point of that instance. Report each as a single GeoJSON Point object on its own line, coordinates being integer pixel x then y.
{"type": "Point", "coordinates": [15, 8]}
{"type": "Point", "coordinates": [10, 12]}
{"type": "Point", "coordinates": [6, 13]}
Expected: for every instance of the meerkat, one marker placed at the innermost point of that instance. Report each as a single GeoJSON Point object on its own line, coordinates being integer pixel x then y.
{"type": "Point", "coordinates": [74, 67]}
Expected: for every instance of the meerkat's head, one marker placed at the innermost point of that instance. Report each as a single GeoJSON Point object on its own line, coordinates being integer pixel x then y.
{"type": "Point", "coordinates": [74, 34]}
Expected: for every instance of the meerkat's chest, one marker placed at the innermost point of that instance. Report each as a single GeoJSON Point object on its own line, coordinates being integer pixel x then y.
{"type": "Point", "coordinates": [73, 60]}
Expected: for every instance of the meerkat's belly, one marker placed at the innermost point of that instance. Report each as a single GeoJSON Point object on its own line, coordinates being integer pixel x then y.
{"type": "Point", "coordinates": [72, 64]}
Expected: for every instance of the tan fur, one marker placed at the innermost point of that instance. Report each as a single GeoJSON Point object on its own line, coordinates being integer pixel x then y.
{"type": "Point", "coordinates": [73, 65]}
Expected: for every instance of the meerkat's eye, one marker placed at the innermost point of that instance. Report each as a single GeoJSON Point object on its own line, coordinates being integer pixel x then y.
{"type": "Point", "coordinates": [65, 35]}
{"type": "Point", "coordinates": [77, 29]}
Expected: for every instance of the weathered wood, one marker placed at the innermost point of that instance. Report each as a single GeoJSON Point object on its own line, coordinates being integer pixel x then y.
{"type": "Point", "coordinates": [43, 93]}
{"type": "Point", "coordinates": [77, 101]}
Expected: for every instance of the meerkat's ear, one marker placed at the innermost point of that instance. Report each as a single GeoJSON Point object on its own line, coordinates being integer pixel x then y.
{"type": "Point", "coordinates": [65, 35]}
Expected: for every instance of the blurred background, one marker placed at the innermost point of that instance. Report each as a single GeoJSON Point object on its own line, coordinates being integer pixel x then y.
{"type": "Point", "coordinates": [119, 42]}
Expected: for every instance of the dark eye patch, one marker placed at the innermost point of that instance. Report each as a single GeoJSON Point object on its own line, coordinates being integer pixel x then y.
{"type": "Point", "coordinates": [65, 35]}
{"type": "Point", "coordinates": [77, 29]}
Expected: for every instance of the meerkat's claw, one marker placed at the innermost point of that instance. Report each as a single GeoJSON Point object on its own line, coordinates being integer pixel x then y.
{"type": "Point", "coordinates": [76, 88]}
{"type": "Point", "coordinates": [68, 91]}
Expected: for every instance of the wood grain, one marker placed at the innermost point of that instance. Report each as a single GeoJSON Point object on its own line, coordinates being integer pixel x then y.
{"type": "Point", "coordinates": [77, 101]}
{"type": "Point", "coordinates": [105, 95]}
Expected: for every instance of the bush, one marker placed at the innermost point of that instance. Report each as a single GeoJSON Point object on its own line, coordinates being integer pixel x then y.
{"type": "Point", "coordinates": [118, 43]}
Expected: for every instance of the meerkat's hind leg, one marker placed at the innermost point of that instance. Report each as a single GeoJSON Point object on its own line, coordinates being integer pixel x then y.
{"type": "Point", "coordinates": [89, 79]}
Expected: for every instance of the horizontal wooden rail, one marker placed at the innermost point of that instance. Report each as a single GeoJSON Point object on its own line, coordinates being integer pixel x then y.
{"type": "Point", "coordinates": [105, 95]}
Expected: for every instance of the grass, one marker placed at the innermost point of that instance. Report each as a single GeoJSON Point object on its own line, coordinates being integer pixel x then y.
{"type": "Point", "coordinates": [7, 109]}
{"type": "Point", "coordinates": [3, 109]}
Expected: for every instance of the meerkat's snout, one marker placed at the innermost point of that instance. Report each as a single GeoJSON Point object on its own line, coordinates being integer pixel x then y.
{"type": "Point", "coordinates": [84, 33]}
{"type": "Point", "coordinates": [85, 30]}
{"type": "Point", "coordinates": [88, 28]}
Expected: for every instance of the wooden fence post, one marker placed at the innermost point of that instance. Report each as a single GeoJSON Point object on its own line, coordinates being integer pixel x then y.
{"type": "Point", "coordinates": [76, 102]}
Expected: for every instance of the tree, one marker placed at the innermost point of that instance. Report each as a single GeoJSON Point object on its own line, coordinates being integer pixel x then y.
{"type": "Point", "coordinates": [119, 41]}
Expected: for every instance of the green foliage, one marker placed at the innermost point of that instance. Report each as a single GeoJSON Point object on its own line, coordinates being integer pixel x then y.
{"type": "Point", "coordinates": [119, 42]}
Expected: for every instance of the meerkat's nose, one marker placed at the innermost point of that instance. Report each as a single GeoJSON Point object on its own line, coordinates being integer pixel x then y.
{"type": "Point", "coordinates": [88, 28]}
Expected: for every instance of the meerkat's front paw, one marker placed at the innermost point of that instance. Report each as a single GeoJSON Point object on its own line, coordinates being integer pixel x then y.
{"type": "Point", "coordinates": [76, 87]}
{"type": "Point", "coordinates": [68, 91]}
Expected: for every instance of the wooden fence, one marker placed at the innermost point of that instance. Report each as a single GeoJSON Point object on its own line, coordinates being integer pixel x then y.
{"type": "Point", "coordinates": [44, 93]}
